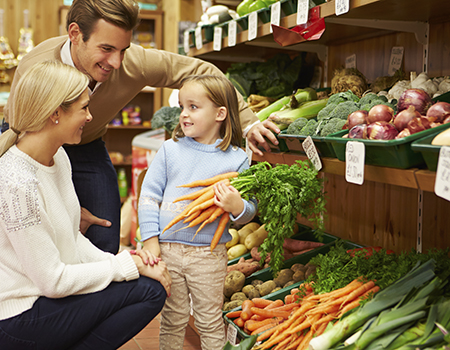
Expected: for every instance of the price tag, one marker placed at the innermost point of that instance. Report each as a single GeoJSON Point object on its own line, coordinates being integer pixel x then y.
{"type": "Point", "coordinates": [232, 30]}
{"type": "Point", "coordinates": [396, 59]}
{"type": "Point", "coordinates": [198, 38]}
{"type": "Point", "coordinates": [350, 61]}
{"type": "Point", "coordinates": [442, 183]}
{"type": "Point", "coordinates": [252, 25]}
{"type": "Point", "coordinates": [217, 38]}
{"type": "Point", "coordinates": [302, 11]}
{"type": "Point", "coordinates": [186, 41]}
{"type": "Point", "coordinates": [341, 7]}
{"type": "Point", "coordinates": [311, 152]}
{"type": "Point", "coordinates": [355, 153]}
{"type": "Point", "coordinates": [231, 334]}
{"type": "Point", "coordinates": [248, 151]}
{"type": "Point", "coordinates": [275, 14]}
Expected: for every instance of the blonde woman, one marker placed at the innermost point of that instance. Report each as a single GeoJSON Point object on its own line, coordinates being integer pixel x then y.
{"type": "Point", "coordinates": [57, 290]}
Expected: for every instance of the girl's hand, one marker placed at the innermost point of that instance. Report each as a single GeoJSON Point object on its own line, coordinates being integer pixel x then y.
{"type": "Point", "coordinates": [228, 198]}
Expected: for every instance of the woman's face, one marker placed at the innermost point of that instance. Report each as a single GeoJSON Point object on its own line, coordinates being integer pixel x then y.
{"type": "Point", "coordinates": [72, 121]}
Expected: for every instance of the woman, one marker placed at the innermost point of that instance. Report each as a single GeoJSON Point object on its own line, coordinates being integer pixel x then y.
{"type": "Point", "coordinates": [58, 290]}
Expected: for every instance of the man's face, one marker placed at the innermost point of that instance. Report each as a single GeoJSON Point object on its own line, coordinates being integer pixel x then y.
{"type": "Point", "coordinates": [103, 52]}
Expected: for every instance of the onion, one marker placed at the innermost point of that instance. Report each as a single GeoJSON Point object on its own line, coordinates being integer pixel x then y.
{"type": "Point", "coordinates": [405, 132]}
{"type": "Point", "coordinates": [446, 120]}
{"type": "Point", "coordinates": [355, 118]}
{"type": "Point", "coordinates": [381, 131]}
{"type": "Point", "coordinates": [439, 111]}
{"type": "Point", "coordinates": [358, 132]}
{"type": "Point", "coordinates": [402, 119]}
{"type": "Point", "coordinates": [418, 124]}
{"type": "Point", "coordinates": [414, 97]}
{"type": "Point", "coordinates": [380, 113]}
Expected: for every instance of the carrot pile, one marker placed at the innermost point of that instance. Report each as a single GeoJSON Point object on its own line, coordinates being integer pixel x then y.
{"type": "Point", "coordinates": [310, 316]}
{"type": "Point", "coordinates": [202, 210]}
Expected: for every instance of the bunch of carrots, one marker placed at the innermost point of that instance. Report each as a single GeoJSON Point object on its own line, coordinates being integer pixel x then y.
{"type": "Point", "coordinates": [202, 210]}
{"type": "Point", "coordinates": [311, 314]}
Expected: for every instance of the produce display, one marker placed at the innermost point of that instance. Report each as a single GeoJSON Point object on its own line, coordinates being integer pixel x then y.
{"type": "Point", "coordinates": [167, 118]}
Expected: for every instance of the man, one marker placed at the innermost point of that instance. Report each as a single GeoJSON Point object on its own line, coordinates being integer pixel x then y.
{"type": "Point", "coordinates": [99, 44]}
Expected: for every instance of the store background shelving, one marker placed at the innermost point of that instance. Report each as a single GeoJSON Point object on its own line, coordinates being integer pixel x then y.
{"type": "Point", "coordinates": [394, 208]}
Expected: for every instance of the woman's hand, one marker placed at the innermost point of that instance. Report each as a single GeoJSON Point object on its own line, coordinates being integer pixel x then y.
{"type": "Point", "coordinates": [228, 198]}
{"type": "Point", "coordinates": [88, 219]}
{"type": "Point", "coordinates": [156, 271]}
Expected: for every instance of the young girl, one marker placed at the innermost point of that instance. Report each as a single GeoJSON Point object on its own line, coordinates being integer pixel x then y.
{"type": "Point", "coordinates": [57, 290]}
{"type": "Point", "coordinates": [206, 142]}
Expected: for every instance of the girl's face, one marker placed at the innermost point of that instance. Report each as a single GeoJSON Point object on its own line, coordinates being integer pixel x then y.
{"type": "Point", "coordinates": [200, 118]}
{"type": "Point", "coordinates": [72, 121]}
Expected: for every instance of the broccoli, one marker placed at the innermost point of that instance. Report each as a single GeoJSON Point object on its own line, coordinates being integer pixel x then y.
{"type": "Point", "coordinates": [368, 98]}
{"type": "Point", "coordinates": [166, 117]}
{"type": "Point", "coordinates": [333, 125]}
{"type": "Point", "coordinates": [310, 129]}
{"type": "Point", "coordinates": [343, 96]}
{"type": "Point", "coordinates": [325, 111]}
{"type": "Point", "coordinates": [295, 127]}
{"type": "Point", "coordinates": [343, 109]}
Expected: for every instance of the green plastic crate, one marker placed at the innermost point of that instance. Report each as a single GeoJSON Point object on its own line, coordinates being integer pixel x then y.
{"type": "Point", "coordinates": [392, 153]}
{"type": "Point", "coordinates": [429, 152]}
{"type": "Point", "coordinates": [294, 143]}
{"type": "Point", "coordinates": [264, 15]}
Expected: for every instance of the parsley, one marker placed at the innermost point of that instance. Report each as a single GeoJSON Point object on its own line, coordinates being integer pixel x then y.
{"type": "Point", "coordinates": [283, 192]}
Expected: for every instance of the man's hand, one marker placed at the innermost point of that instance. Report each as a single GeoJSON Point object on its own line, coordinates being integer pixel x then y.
{"type": "Point", "coordinates": [255, 136]}
{"type": "Point", "coordinates": [88, 219]}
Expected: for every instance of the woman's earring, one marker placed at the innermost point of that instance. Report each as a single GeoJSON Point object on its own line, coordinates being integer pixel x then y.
{"type": "Point", "coordinates": [56, 121]}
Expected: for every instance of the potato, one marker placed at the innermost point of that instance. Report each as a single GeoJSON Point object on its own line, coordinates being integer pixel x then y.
{"type": "Point", "coordinates": [276, 289]}
{"type": "Point", "coordinates": [256, 282]}
{"type": "Point", "coordinates": [234, 281]}
{"type": "Point", "coordinates": [247, 289]}
{"type": "Point", "coordinates": [234, 240]}
{"type": "Point", "coordinates": [256, 238]}
{"type": "Point", "coordinates": [283, 277]}
{"type": "Point", "coordinates": [254, 294]}
{"type": "Point", "coordinates": [289, 283]}
{"type": "Point", "coordinates": [298, 276]}
{"type": "Point", "coordinates": [266, 288]}
{"type": "Point", "coordinates": [246, 230]}
{"type": "Point", "coordinates": [297, 267]}
{"type": "Point", "coordinates": [238, 296]}
{"type": "Point", "coordinates": [311, 270]}
{"type": "Point", "coordinates": [236, 251]}
{"type": "Point", "coordinates": [232, 305]}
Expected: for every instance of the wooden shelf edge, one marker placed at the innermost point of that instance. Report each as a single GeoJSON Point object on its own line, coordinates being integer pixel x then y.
{"type": "Point", "coordinates": [425, 180]}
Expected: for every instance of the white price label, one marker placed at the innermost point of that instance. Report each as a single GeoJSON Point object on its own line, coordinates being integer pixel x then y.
{"type": "Point", "coordinates": [341, 6]}
{"type": "Point", "coordinates": [198, 38]}
{"type": "Point", "coordinates": [302, 11]}
{"type": "Point", "coordinates": [232, 30]}
{"type": "Point", "coordinates": [442, 183]}
{"type": "Point", "coordinates": [252, 25]}
{"type": "Point", "coordinates": [231, 334]}
{"type": "Point", "coordinates": [311, 152]}
{"type": "Point", "coordinates": [275, 14]}
{"type": "Point", "coordinates": [217, 38]}
{"type": "Point", "coordinates": [350, 61]}
{"type": "Point", "coordinates": [354, 162]}
{"type": "Point", "coordinates": [396, 59]}
{"type": "Point", "coordinates": [186, 41]}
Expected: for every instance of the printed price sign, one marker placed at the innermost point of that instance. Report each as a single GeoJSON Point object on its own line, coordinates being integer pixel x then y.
{"type": "Point", "coordinates": [341, 7]}
{"type": "Point", "coordinates": [442, 183]}
{"type": "Point", "coordinates": [275, 14]}
{"type": "Point", "coordinates": [198, 38]}
{"type": "Point", "coordinates": [396, 59]}
{"type": "Point", "coordinates": [355, 153]}
{"type": "Point", "coordinates": [302, 11]}
{"type": "Point", "coordinates": [252, 25]}
{"type": "Point", "coordinates": [311, 152]}
{"type": "Point", "coordinates": [186, 41]}
{"type": "Point", "coordinates": [350, 61]}
{"type": "Point", "coordinates": [217, 38]}
{"type": "Point", "coordinates": [231, 334]}
{"type": "Point", "coordinates": [232, 30]}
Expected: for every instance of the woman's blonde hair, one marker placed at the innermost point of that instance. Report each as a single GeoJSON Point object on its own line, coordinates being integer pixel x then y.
{"type": "Point", "coordinates": [40, 91]}
{"type": "Point", "coordinates": [223, 94]}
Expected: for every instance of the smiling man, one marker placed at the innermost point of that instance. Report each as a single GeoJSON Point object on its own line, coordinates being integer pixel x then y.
{"type": "Point", "coordinates": [99, 44]}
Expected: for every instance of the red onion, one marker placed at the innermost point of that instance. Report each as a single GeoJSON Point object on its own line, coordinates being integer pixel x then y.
{"type": "Point", "coordinates": [446, 120]}
{"type": "Point", "coordinates": [416, 97]}
{"type": "Point", "coordinates": [405, 132]}
{"type": "Point", "coordinates": [358, 132]}
{"type": "Point", "coordinates": [418, 124]}
{"type": "Point", "coordinates": [355, 118]}
{"type": "Point", "coordinates": [381, 131]}
{"type": "Point", "coordinates": [380, 113]}
{"type": "Point", "coordinates": [402, 119]}
{"type": "Point", "coordinates": [439, 111]}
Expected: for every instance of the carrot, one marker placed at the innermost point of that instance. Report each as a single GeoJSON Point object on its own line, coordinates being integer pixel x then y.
{"type": "Point", "coordinates": [204, 215]}
{"type": "Point", "coordinates": [361, 290]}
{"type": "Point", "coordinates": [295, 343]}
{"type": "Point", "coordinates": [252, 325]}
{"type": "Point", "coordinates": [233, 314]}
{"type": "Point", "coordinates": [247, 309]}
{"type": "Point", "coordinates": [270, 313]}
{"type": "Point", "coordinates": [306, 339]}
{"type": "Point", "coordinates": [194, 195]}
{"type": "Point", "coordinates": [261, 303]}
{"type": "Point", "coordinates": [305, 324]}
{"type": "Point", "coordinates": [268, 333]}
{"type": "Point", "coordinates": [220, 228]}
{"type": "Point", "coordinates": [288, 299]}
{"type": "Point", "coordinates": [356, 302]}
{"type": "Point", "coordinates": [239, 322]}
{"type": "Point", "coordinates": [192, 216]}
{"type": "Point", "coordinates": [286, 307]}
{"type": "Point", "coordinates": [321, 328]}
{"type": "Point", "coordinates": [276, 303]}
{"type": "Point", "coordinates": [264, 328]}
{"type": "Point", "coordinates": [337, 292]}
{"type": "Point", "coordinates": [211, 180]}
{"type": "Point", "coordinates": [202, 206]}
{"type": "Point", "coordinates": [216, 213]}
{"type": "Point", "coordinates": [282, 345]}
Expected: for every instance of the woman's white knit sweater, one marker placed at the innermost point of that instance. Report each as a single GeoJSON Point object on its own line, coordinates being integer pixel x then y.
{"type": "Point", "coordinates": [42, 252]}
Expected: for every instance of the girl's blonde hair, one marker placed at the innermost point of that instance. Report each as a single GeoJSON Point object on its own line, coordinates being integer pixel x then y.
{"type": "Point", "coordinates": [40, 91]}
{"type": "Point", "coordinates": [223, 94]}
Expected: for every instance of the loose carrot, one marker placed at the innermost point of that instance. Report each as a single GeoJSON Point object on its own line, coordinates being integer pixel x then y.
{"type": "Point", "coordinates": [247, 309]}
{"type": "Point", "coordinates": [251, 325]}
{"type": "Point", "coordinates": [268, 333]}
{"type": "Point", "coordinates": [270, 313]}
{"type": "Point", "coordinates": [261, 303]}
{"type": "Point", "coordinates": [286, 307]}
{"type": "Point", "coordinates": [305, 324]}
{"type": "Point", "coordinates": [220, 228]}
{"type": "Point", "coordinates": [276, 303]}
{"type": "Point", "coordinates": [306, 339]}
{"type": "Point", "coordinates": [211, 180]}
{"type": "Point", "coordinates": [233, 314]}
{"type": "Point", "coordinates": [266, 326]}
{"type": "Point", "coordinates": [356, 302]}
{"type": "Point", "coordinates": [321, 328]}
{"type": "Point", "coordinates": [239, 322]}
{"type": "Point", "coordinates": [337, 292]}
{"type": "Point", "coordinates": [295, 343]}
{"type": "Point", "coordinates": [282, 345]}
{"type": "Point", "coordinates": [360, 291]}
